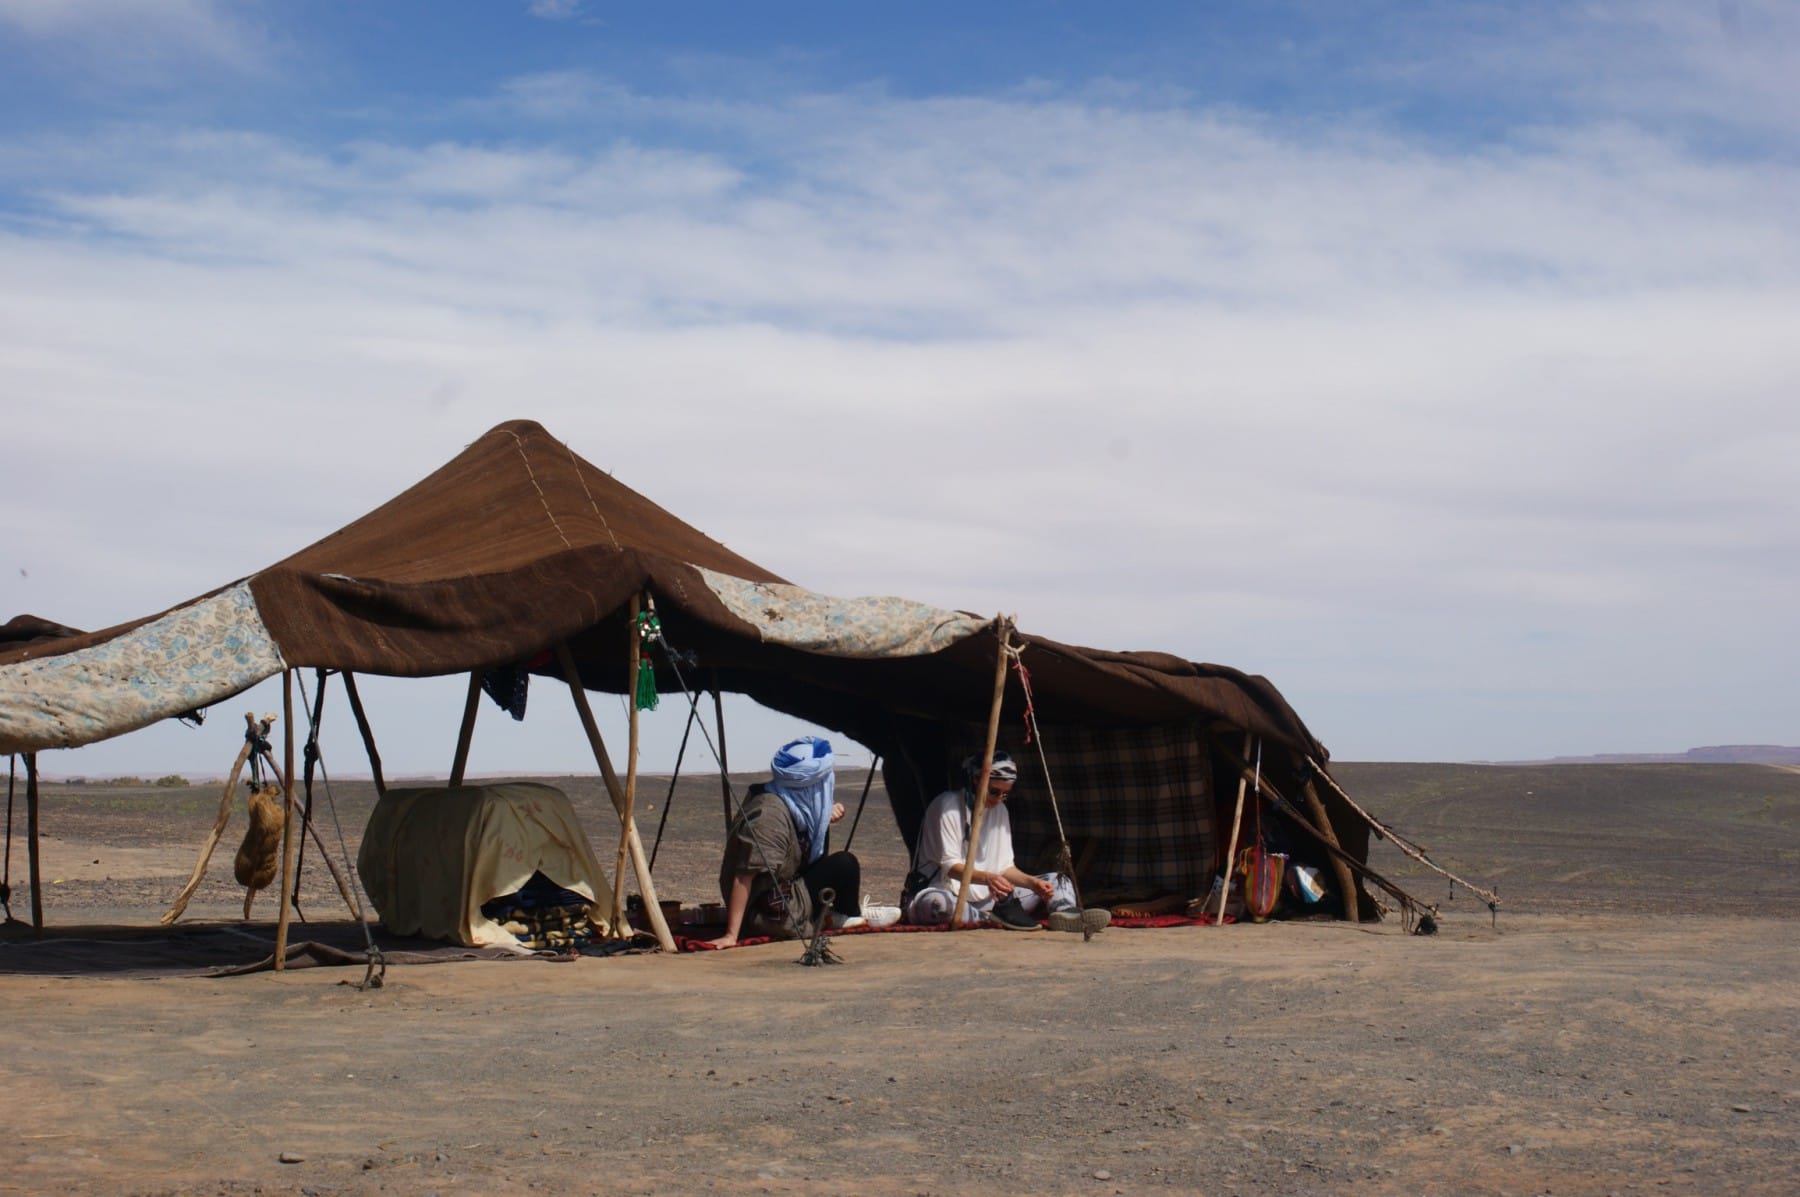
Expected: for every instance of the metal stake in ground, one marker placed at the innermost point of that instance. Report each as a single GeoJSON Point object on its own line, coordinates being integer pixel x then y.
{"type": "Point", "coordinates": [819, 951]}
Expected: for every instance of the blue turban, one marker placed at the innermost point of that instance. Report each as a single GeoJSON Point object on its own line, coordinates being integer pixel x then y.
{"type": "Point", "coordinates": [805, 780]}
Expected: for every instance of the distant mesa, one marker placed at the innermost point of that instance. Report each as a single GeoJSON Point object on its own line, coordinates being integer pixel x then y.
{"type": "Point", "coordinates": [1718, 754]}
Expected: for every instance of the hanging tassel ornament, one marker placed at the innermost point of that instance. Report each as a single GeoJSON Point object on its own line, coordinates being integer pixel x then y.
{"type": "Point", "coordinates": [649, 630]}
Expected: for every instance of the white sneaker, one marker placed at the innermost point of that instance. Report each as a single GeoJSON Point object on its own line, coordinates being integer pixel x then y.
{"type": "Point", "coordinates": [843, 922]}
{"type": "Point", "coordinates": [880, 916]}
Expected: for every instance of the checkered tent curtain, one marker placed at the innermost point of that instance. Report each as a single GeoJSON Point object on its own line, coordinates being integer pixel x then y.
{"type": "Point", "coordinates": [1136, 804]}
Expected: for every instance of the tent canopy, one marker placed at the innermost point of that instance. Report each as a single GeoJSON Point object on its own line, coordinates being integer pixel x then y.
{"type": "Point", "coordinates": [518, 544]}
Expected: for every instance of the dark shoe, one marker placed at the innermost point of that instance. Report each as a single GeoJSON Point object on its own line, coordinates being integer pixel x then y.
{"type": "Point", "coordinates": [1087, 921]}
{"type": "Point", "coordinates": [1010, 913]}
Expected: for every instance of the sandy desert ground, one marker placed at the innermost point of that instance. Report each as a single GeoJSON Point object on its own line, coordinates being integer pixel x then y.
{"type": "Point", "coordinates": [1628, 1026]}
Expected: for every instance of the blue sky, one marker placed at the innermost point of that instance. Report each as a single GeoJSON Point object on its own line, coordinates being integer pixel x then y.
{"type": "Point", "coordinates": [1435, 361]}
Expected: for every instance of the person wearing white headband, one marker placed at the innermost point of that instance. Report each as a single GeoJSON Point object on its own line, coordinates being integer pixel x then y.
{"type": "Point", "coordinates": [999, 891]}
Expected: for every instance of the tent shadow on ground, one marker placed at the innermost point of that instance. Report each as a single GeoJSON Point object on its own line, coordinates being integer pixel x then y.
{"type": "Point", "coordinates": [203, 949]}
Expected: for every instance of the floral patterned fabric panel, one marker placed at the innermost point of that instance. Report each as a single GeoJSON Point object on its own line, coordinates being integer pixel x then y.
{"type": "Point", "coordinates": [836, 627]}
{"type": "Point", "coordinates": [189, 658]}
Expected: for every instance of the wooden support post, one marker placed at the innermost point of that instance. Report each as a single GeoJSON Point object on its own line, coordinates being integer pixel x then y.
{"type": "Point", "coordinates": [463, 738]}
{"type": "Point", "coordinates": [645, 886]}
{"type": "Point", "coordinates": [289, 841]}
{"type": "Point", "coordinates": [1302, 820]}
{"type": "Point", "coordinates": [1004, 629]}
{"type": "Point", "coordinates": [1346, 880]}
{"type": "Point", "coordinates": [1231, 851]}
{"type": "Point", "coordinates": [724, 761]}
{"type": "Point", "coordinates": [362, 725]}
{"type": "Point", "coordinates": [634, 650]}
{"type": "Point", "coordinates": [31, 840]}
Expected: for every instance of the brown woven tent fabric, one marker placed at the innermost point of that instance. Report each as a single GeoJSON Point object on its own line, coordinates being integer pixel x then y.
{"type": "Point", "coordinates": [23, 630]}
{"type": "Point", "coordinates": [518, 544]}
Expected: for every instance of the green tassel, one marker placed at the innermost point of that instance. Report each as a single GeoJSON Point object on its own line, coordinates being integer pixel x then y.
{"type": "Point", "coordinates": [646, 685]}
{"type": "Point", "coordinates": [649, 630]}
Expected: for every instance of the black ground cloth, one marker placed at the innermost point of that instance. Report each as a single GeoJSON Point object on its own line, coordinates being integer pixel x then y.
{"type": "Point", "coordinates": [207, 949]}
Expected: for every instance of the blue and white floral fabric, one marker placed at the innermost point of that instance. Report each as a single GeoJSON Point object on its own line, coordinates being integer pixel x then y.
{"type": "Point", "coordinates": [193, 656]}
{"type": "Point", "coordinates": [836, 627]}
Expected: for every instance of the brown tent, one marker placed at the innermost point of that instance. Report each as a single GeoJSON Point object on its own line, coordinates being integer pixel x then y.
{"type": "Point", "coordinates": [518, 548]}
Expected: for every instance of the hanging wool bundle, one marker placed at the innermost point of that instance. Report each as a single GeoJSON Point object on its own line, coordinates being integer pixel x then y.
{"type": "Point", "coordinates": [259, 856]}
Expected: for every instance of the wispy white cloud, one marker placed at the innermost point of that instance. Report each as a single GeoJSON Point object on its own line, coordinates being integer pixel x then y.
{"type": "Point", "coordinates": [555, 10]}
{"type": "Point", "coordinates": [138, 41]}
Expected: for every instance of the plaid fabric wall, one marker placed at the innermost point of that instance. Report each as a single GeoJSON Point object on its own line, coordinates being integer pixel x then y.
{"type": "Point", "coordinates": [1136, 804]}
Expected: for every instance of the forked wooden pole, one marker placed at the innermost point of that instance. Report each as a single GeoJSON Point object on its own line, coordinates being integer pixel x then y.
{"type": "Point", "coordinates": [463, 738]}
{"type": "Point", "coordinates": [640, 865]}
{"type": "Point", "coordinates": [1003, 627]}
{"type": "Point", "coordinates": [31, 840]}
{"type": "Point", "coordinates": [362, 725]}
{"type": "Point", "coordinates": [179, 905]}
{"type": "Point", "coordinates": [289, 841]}
{"type": "Point", "coordinates": [1237, 819]}
{"type": "Point", "coordinates": [627, 824]}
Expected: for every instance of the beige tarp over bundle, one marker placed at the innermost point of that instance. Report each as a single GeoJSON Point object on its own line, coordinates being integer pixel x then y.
{"type": "Point", "coordinates": [432, 856]}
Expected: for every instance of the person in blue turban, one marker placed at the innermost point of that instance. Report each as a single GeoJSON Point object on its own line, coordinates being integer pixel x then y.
{"type": "Point", "coordinates": [776, 866]}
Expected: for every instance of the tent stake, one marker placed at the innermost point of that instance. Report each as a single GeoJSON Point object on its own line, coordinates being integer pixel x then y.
{"type": "Point", "coordinates": [1004, 628]}
{"type": "Point", "coordinates": [463, 737]}
{"type": "Point", "coordinates": [288, 839]}
{"type": "Point", "coordinates": [652, 907]}
{"type": "Point", "coordinates": [1237, 819]}
{"type": "Point", "coordinates": [31, 840]}
{"type": "Point", "coordinates": [368, 736]}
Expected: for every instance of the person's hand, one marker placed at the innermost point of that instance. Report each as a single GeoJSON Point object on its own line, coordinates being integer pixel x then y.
{"type": "Point", "coordinates": [837, 811]}
{"type": "Point", "coordinates": [1000, 885]}
{"type": "Point", "coordinates": [1041, 888]}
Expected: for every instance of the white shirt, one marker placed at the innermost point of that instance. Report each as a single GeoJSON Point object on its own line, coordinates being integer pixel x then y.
{"type": "Point", "coordinates": [944, 838]}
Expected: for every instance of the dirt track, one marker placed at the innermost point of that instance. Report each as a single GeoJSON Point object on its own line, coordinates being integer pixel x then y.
{"type": "Point", "coordinates": [1566, 1052]}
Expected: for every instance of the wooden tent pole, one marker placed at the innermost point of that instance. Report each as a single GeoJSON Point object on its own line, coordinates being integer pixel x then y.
{"type": "Point", "coordinates": [31, 840]}
{"type": "Point", "coordinates": [634, 650]}
{"type": "Point", "coordinates": [645, 886]}
{"type": "Point", "coordinates": [1237, 819]}
{"type": "Point", "coordinates": [1346, 880]}
{"type": "Point", "coordinates": [724, 761]}
{"type": "Point", "coordinates": [1004, 627]}
{"type": "Point", "coordinates": [1299, 819]}
{"type": "Point", "coordinates": [362, 725]}
{"type": "Point", "coordinates": [289, 841]}
{"type": "Point", "coordinates": [463, 738]}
